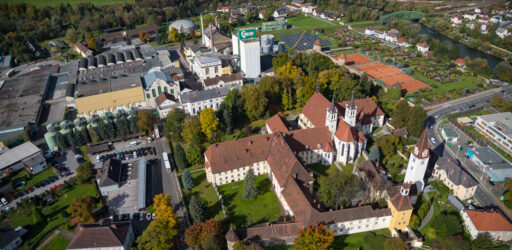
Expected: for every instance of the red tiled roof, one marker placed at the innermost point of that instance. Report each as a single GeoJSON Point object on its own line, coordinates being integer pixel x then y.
{"type": "Point", "coordinates": [316, 109]}
{"type": "Point", "coordinates": [310, 139]}
{"type": "Point", "coordinates": [423, 45]}
{"type": "Point", "coordinates": [346, 133]}
{"type": "Point", "coordinates": [459, 61]}
{"type": "Point", "coordinates": [489, 220]}
{"type": "Point", "coordinates": [317, 43]}
{"type": "Point", "coordinates": [278, 123]}
{"type": "Point", "coordinates": [163, 97]}
{"type": "Point", "coordinates": [98, 236]}
{"type": "Point", "coordinates": [366, 109]}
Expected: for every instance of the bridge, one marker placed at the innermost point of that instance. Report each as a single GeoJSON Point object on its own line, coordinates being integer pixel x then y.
{"type": "Point", "coordinates": [402, 15]}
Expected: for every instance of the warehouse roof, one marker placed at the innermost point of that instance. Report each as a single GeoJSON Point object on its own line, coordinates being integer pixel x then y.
{"type": "Point", "coordinates": [17, 154]}
{"type": "Point", "coordinates": [197, 96]}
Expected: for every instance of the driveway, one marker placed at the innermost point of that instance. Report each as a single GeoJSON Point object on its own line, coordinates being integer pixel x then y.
{"type": "Point", "coordinates": [67, 159]}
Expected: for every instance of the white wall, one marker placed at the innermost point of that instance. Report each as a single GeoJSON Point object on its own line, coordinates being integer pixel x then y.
{"type": "Point", "coordinates": [250, 58]}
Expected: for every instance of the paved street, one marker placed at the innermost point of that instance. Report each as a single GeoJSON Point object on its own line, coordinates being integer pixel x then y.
{"type": "Point", "coordinates": [485, 194]}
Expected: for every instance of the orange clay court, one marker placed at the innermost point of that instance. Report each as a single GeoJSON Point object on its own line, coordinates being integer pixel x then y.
{"type": "Point", "coordinates": [355, 58]}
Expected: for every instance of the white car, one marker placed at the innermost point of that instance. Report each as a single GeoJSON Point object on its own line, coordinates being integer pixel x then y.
{"type": "Point", "coordinates": [4, 201]}
{"type": "Point", "coordinates": [433, 140]}
{"type": "Point", "coordinates": [134, 154]}
{"type": "Point", "coordinates": [148, 216]}
{"type": "Point", "coordinates": [153, 216]}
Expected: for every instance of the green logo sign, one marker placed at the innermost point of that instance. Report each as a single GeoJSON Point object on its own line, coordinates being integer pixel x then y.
{"type": "Point", "coordinates": [246, 34]}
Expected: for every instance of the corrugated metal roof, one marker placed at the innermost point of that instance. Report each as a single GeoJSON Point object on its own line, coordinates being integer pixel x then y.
{"type": "Point", "coordinates": [151, 77]}
{"type": "Point", "coordinates": [141, 186]}
{"type": "Point", "coordinates": [17, 154]}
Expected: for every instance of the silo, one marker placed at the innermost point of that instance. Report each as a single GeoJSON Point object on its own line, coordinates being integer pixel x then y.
{"type": "Point", "coordinates": [50, 139]}
{"type": "Point", "coordinates": [281, 47]}
{"type": "Point", "coordinates": [267, 40]}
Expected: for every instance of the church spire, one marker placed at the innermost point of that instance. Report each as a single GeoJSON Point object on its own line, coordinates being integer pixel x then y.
{"type": "Point", "coordinates": [352, 101]}
{"type": "Point", "coordinates": [318, 89]}
{"type": "Point", "coordinates": [332, 104]}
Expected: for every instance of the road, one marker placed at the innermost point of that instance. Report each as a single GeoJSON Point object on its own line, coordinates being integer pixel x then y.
{"type": "Point", "coordinates": [485, 194]}
{"type": "Point", "coordinates": [170, 185]}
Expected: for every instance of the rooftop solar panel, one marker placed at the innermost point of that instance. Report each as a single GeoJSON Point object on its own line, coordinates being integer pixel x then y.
{"type": "Point", "coordinates": [302, 41]}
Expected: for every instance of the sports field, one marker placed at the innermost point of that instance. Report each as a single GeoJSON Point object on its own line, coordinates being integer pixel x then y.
{"type": "Point", "coordinates": [41, 3]}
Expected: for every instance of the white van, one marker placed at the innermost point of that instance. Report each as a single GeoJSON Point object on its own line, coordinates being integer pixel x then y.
{"type": "Point", "coordinates": [4, 201]}
{"type": "Point", "coordinates": [134, 143]}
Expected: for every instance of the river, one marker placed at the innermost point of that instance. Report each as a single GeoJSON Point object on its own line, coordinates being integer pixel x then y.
{"type": "Point", "coordinates": [464, 50]}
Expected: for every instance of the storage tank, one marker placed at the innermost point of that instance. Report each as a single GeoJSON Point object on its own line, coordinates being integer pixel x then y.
{"type": "Point", "coordinates": [52, 127]}
{"type": "Point", "coordinates": [50, 139]}
{"type": "Point", "coordinates": [267, 40]}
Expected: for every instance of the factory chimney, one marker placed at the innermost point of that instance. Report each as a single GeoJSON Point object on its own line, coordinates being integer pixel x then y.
{"type": "Point", "coordinates": [202, 29]}
{"type": "Point", "coordinates": [211, 38]}
{"type": "Point", "coordinates": [217, 21]}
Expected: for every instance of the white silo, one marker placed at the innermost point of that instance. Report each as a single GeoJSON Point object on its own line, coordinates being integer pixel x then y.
{"type": "Point", "coordinates": [267, 40]}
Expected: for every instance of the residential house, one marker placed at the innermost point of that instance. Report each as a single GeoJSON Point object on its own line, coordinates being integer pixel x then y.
{"type": "Point", "coordinates": [456, 20]}
{"type": "Point", "coordinates": [483, 29]}
{"type": "Point", "coordinates": [370, 31]}
{"type": "Point", "coordinates": [454, 177]}
{"type": "Point", "coordinates": [492, 222]}
{"type": "Point", "coordinates": [422, 47]}
{"type": "Point", "coordinates": [471, 25]}
{"type": "Point", "coordinates": [308, 8]}
{"type": "Point", "coordinates": [166, 102]}
{"type": "Point", "coordinates": [470, 16]}
{"type": "Point", "coordinates": [495, 19]}
{"type": "Point", "coordinates": [231, 80]}
{"type": "Point", "coordinates": [502, 33]}
{"type": "Point", "coordinates": [103, 235]}
{"type": "Point", "coordinates": [223, 9]}
{"type": "Point", "coordinates": [484, 19]}
{"type": "Point", "coordinates": [380, 34]}
{"type": "Point", "coordinates": [280, 13]}
{"type": "Point", "coordinates": [461, 64]}
{"type": "Point", "coordinates": [392, 36]}
{"type": "Point", "coordinates": [81, 49]}
{"type": "Point", "coordinates": [448, 134]}
{"type": "Point", "coordinates": [402, 42]}
{"type": "Point", "coordinates": [195, 101]}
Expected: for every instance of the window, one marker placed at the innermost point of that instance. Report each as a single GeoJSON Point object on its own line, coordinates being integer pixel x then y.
{"type": "Point", "coordinates": [216, 70]}
{"type": "Point", "coordinates": [159, 89]}
{"type": "Point", "coordinates": [207, 71]}
{"type": "Point", "coordinates": [148, 96]}
{"type": "Point", "coordinates": [172, 91]}
{"type": "Point", "coordinates": [154, 93]}
{"type": "Point", "coordinates": [165, 90]}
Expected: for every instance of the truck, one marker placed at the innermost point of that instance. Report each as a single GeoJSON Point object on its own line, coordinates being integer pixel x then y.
{"type": "Point", "coordinates": [166, 162]}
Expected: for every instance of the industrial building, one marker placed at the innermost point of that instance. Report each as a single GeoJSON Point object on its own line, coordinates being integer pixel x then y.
{"type": "Point", "coordinates": [247, 46]}
{"type": "Point", "coordinates": [491, 163]}
{"type": "Point", "coordinates": [26, 155]}
{"type": "Point", "coordinates": [279, 24]}
{"type": "Point", "coordinates": [183, 26]}
{"type": "Point", "coordinates": [156, 82]}
{"type": "Point", "coordinates": [497, 128]}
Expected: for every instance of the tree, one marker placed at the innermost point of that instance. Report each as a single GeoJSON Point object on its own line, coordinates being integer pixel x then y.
{"type": "Point", "coordinates": [388, 144]}
{"type": "Point", "coordinates": [497, 101]}
{"type": "Point", "coordinates": [71, 36]}
{"type": "Point", "coordinates": [230, 108]}
{"type": "Point", "coordinates": [192, 129]}
{"type": "Point", "coordinates": [110, 128]}
{"type": "Point", "coordinates": [92, 43]}
{"type": "Point", "coordinates": [133, 126]}
{"type": "Point", "coordinates": [180, 157]}
{"type": "Point", "coordinates": [98, 44]}
{"type": "Point", "coordinates": [250, 190]}
{"type": "Point", "coordinates": [270, 87]}
{"type": "Point", "coordinates": [508, 194]}
{"type": "Point", "coordinates": [503, 71]}
{"type": "Point", "coordinates": [280, 60]}
{"type": "Point", "coordinates": [209, 122]}
{"type": "Point", "coordinates": [84, 172]}
{"type": "Point", "coordinates": [374, 154]}
{"type": "Point", "coordinates": [146, 120]}
{"type": "Point", "coordinates": [196, 210]}
{"type": "Point", "coordinates": [255, 102]}
{"type": "Point", "coordinates": [188, 180]}
{"type": "Point", "coordinates": [446, 224]}
{"type": "Point", "coordinates": [174, 124]}
{"type": "Point", "coordinates": [81, 208]}
{"type": "Point", "coordinates": [174, 35]}
{"type": "Point", "coordinates": [194, 152]}
{"type": "Point", "coordinates": [337, 188]}
{"type": "Point", "coordinates": [143, 37]}
{"type": "Point", "coordinates": [480, 65]}
{"type": "Point", "coordinates": [37, 216]}
{"type": "Point", "coordinates": [197, 235]}
{"type": "Point", "coordinates": [287, 100]}
{"type": "Point", "coordinates": [413, 118]}
{"type": "Point", "coordinates": [314, 238]}
{"type": "Point", "coordinates": [483, 241]}
{"type": "Point", "coordinates": [414, 223]}
{"type": "Point", "coordinates": [161, 232]}
{"type": "Point", "coordinates": [395, 244]}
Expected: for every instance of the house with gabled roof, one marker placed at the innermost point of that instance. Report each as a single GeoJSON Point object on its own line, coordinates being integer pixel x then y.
{"type": "Point", "coordinates": [157, 82]}
{"type": "Point", "coordinates": [492, 222]}
{"type": "Point", "coordinates": [103, 235]}
{"type": "Point", "coordinates": [454, 177]}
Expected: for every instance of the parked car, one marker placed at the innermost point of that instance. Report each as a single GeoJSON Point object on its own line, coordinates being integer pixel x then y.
{"type": "Point", "coordinates": [153, 216]}
{"type": "Point", "coordinates": [4, 201]}
{"type": "Point", "coordinates": [141, 216]}
{"type": "Point", "coordinates": [58, 164]}
{"type": "Point", "coordinates": [148, 217]}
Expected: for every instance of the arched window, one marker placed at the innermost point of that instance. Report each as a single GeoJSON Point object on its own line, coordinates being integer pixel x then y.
{"type": "Point", "coordinates": [165, 90]}
{"type": "Point", "coordinates": [159, 89]}
{"type": "Point", "coordinates": [154, 93]}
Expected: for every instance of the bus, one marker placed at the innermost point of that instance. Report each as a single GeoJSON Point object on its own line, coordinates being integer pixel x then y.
{"type": "Point", "coordinates": [166, 161]}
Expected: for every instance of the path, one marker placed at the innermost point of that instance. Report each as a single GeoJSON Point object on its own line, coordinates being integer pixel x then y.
{"type": "Point", "coordinates": [66, 234]}
{"type": "Point", "coordinates": [48, 240]}
{"type": "Point", "coordinates": [427, 218]}
{"type": "Point", "coordinates": [195, 170]}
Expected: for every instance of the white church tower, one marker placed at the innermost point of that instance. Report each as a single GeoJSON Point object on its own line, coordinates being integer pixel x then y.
{"type": "Point", "coordinates": [351, 113]}
{"type": "Point", "coordinates": [418, 162]}
{"type": "Point", "coordinates": [331, 119]}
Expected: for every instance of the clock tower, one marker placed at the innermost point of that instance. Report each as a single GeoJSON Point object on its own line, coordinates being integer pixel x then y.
{"type": "Point", "coordinates": [418, 162]}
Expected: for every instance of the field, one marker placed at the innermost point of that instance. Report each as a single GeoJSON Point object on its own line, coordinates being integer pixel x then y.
{"type": "Point", "coordinates": [306, 22]}
{"type": "Point", "coordinates": [263, 208]}
{"type": "Point", "coordinates": [58, 243]}
{"type": "Point", "coordinates": [42, 3]}
{"type": "Point", "coordinates": [206, 194]}
{"type": "Point", "coordinates": [52, 215]}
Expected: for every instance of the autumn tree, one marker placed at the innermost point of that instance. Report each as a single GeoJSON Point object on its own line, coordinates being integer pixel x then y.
{"type": "Point", "coordinates": [143, 37]}
{"type": "Point", "coordinates": [250, 190]}
{"type": "Point", "coordinates": [395, 243]}
{"type": "Point", "coordinates": [174, 124]}
{"type": "Point", "coordinates": [314, 238]}
{"type": "Point", "coordinates": [174, 35]}
{"type": "Point", "coordinates": [180, 157]}
{"type": "Point", "coordinates": [146, 120]}
{"type": "Point", "coordinates": [254, 101]}
{"type": "Point", "coordinates": [199, 236]}
{"type": "Point", "coordinates": [388, 144]}
{"type": "Point", "coordinates": [84, 172]}
{"type": "Point", "coordinates": [209, 123]}
{"type": "Point", "coordinates": [92, 43]}
{"type": "Point", "coordinates": [188, 180]}
{"type": "Point", "coordinates": [270, 87]}
{"type": "Point", "coordinates": [337, 188]}
{"type": "Point", "coordinates": [161, 232]}
{"type": "Point", "coordinates": [497, 101]}
{"type": "Point", "coordinates": [196, 210]}
{"type": "Point", "coordinates": [192, 129]}
{"type": "Point", "coordinates": [71, 36]}
{"type": "Point", "coordinates": [287, 99]}
{"type": "Point", "coordinates": [81, 209]}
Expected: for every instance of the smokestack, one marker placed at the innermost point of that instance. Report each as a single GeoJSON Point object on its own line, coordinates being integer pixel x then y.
{"type": "Point", "coordinates": [202, 27]}
{"type": "Point", "coordinates": [217, 21]}
{"type": "Point", "coordinates": [211, 38]}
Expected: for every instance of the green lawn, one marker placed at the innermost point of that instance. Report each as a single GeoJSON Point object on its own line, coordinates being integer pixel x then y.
{"type": "Point", "coordinates": [466, 82]}
{"type": "Point", "coordinates": [205, 192]}
{"type": "Point", "coordinates": [58, 243]}
{"type": "Point", "coordinates": [366, 240]}
{"type": "Point", "coordinates": [263, 208]}
{"type": "Point", "coordinates": [41, 3]}
{"type": "Point", "coordinates": [52, 216]}
{"type": "Point", "coordinates": [307, 22]}
{"type": "Point", "coordinates": [35, 179]}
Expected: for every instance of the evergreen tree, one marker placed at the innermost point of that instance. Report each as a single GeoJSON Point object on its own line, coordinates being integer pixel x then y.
{"type": "Point", "coordinates": [375, 154]}
{"type": "Point", "coordinates": [102, 131]}
{"type": "Point", "coordinates": [60, 141]}
{"type": "Point", "coordinates": [195, 209]}
{"type": "Point", "coordinates": [36, 214]}
{"type": "Point", "coordinates": [250, 190]}
{"type": "Point", "coordinates": [188, 181]}
{"type": "Point", "coordinates": [194, 154]}
{"type": "Point", "coordinates": [180, 157]}
{"type": "Point", "coordinates": [227, 116]}
{"type": "Point", "coordinates": [287, 100]}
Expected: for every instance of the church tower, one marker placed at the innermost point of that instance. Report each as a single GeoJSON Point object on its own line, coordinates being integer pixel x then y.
{"type": "Point", "coordinates": [418, 162]}
{"type": "Point", "coordinates": [351, 113]}
{"type": "Point", "coordinates": [331, 119]}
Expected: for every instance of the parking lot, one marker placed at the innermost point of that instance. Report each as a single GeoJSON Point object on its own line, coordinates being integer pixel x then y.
{"type": "Point", "coordinates": [64, 161]}
{"type": "Point", "coordinates": [126, 151]}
